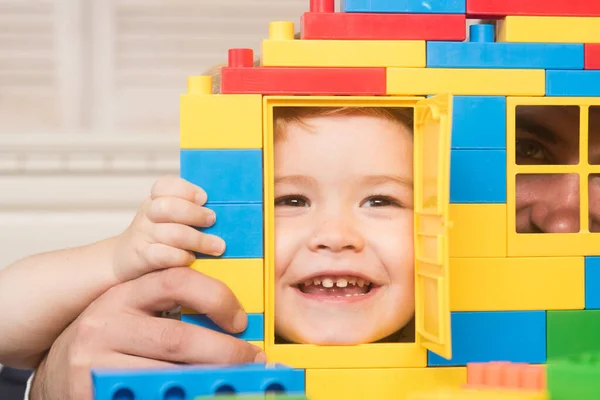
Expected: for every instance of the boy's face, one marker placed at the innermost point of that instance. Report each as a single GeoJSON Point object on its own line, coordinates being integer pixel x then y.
{"type": "Point", "coordinates": [549, 135]}
{"type": "Point", "coordinates": [343, 230]}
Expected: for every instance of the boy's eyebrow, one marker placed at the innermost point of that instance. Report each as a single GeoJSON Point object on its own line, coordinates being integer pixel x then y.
{"type": "Point", "coordinates": [380, 179]}
{"type": "Point", "coordinates": [295, 179]}
{"type": "Point", "coordinates": [537, 129]}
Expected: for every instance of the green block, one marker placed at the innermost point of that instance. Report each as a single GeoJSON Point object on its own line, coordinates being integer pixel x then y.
{"type": "Point", "coordinates": [570, 333]}
{"type": "Point", "coordinates": [575, 378]}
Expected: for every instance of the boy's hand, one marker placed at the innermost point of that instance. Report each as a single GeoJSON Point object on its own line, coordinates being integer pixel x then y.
{"type": "Point", "coordinates": [162, 235]}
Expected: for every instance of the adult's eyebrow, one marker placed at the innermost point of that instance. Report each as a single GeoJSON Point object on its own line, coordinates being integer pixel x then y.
{"type": "Point", "coordinates": [537, 129]}
{"type": "Point", "coordinates": [382, 179]}
{"type": "Point", "coordinates": [295, 180]}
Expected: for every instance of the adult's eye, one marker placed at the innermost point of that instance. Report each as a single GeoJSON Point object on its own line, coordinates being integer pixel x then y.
{"type": "Point", "coordinates": [291, 201]}
{"type": "Point", "coordinates": [530, 150]}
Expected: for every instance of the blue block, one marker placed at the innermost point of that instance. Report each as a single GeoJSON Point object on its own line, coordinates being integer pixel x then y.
{"type": "Point", "coordinates": [479, 122]}
{"type": "Point", "coordinates": [190, 382]}
{"type": "Point", "coordinates": [592, 283]}
{"type": "Point", "coordinates": [573, 83]}
{"type": "Point", "coordinates": [478, 176]}
{"type": "Point", "coordinates": [516, 336]}
{"type": "Point", "coordinates": [227, 176]}
{"type": "Point", "coordinates": [255, 330]}
{"type": "Point", "coordinates": [241, 227]}
{"type": "Point", "coordinates": [504, 55]}
{"type": "Point", "coordinates": [405, 6]}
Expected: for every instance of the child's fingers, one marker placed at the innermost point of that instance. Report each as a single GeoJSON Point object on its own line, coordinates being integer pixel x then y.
{"type": "Point", "coordinates": [178, 187]}
{"type": "Point", "coordinates": [187, 238]}
{"type": "Point", "coordinates": [176, 341]}
{"type": "Point", "coordinates": [160, 256]}
{"type": "Point", "coordinates": [180, 211]}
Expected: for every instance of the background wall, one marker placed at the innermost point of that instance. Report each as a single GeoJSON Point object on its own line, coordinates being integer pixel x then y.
{"type": "Point", "coordinates": [89, 97]}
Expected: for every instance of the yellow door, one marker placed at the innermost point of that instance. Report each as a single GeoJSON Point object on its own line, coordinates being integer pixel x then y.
{"type": "Point", "coordinates": [433, 125]}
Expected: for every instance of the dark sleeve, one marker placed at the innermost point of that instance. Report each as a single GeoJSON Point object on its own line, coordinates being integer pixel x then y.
{"type": "Point", "coordinates": [13, 383]}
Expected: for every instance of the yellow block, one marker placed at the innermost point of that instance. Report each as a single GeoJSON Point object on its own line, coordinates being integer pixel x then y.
{"type": "Point", "coordinates": [479, 394]}
{"type": "Point", "coordinates": [478, 230]}
{"type": "Point", "coordinates": [379, 384]}
{"type": "Point", "coordinates": [504, 284]}
{"type": "Point", "coordinates": [245, 277]}
{"type": "Point", "coordinates": [550, 29]}
{"type": "Point", "coordinates": [281, 50]}
{"type": "Point", "coordinates": [206, 120]}
{"type": "Point", "coordinates": [381, 355]}
{"type": "Point", "coordinates": [503, 82]}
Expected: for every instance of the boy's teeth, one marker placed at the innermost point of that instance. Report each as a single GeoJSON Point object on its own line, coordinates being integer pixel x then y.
{"type": "Point", "coordinates": [328, 283]}
{"type": "Point", "coordinates": [341, 283]}
{"type": "Point", "coordinates": [338, 282]}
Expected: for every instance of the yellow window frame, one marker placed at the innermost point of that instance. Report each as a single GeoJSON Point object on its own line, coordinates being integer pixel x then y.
{"type": "Point", "coordinates": [583, 243]}
{"type": "Point", "coordinates": [431, 266]}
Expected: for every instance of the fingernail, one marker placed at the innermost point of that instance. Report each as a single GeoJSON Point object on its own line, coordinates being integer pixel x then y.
{"type": "Point", "coordinates": [211, 218]}
{"type": "Point", "coordinates": [261, 357]}
{"type": "Point", "coordinates": [201, 199]}
{"type": "Point", "coordinates": [218, 247]}
{"type": "Point", "coordinates": [240, 321]}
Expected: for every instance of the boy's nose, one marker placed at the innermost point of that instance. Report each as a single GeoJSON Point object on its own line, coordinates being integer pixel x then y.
{"type": "Point", "coordinates": [560, 211]}
{"type": "Point", "coordinates": [336, 236]}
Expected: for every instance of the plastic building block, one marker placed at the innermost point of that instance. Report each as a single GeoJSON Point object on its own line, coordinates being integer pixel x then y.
{"type": "Point", "coordinates": [576, 377]}
{"type": "Point", "coordinates": [592, 56]}
{"type": "Point", "coordinates": [592, 283]}
{"type": "Point", "coordinates": [470, 238]}
{"type": "Point", "coordinates": [404, 6]}
{"type": "Point", "coordinates": [315, 81]}
{"type": "Point", "coordinates": [206, 121]}
{"type": "Point", "coordinates": [517, 336]}
{"type": "Point", "coordinates": [502, 8]}
{"type": "Point", "coordinates": [499, 284]}
{"type": "Point", "coordinates": [487, 394]}
{"type": "Point", "coordinates": [573, 83]}
{"type": "Point", "coordinates": [281, 50]}
{"type": "Point", "coordinates": [478, 176]}
{"type": "Point", "coordinates": [227, 176]}
{"type": "Point", "coordinates": [550, 29]}
{"type": "Point", "coordinates": [483, 52]}
{"type": "Point", "coordinates": [572, 332]}
{"type": "Point", "coordinates": [463, 81]}
{"type": "Point", "coordinates": [479, 122]}
{"type": "Point", "coordinates": [380, 384]}
{"type": "Point", "coordinates": [254, 331]}
{"type": "Point", "coordinates": [189, 382]}
{"type": "Point", "coordinates": [241, 227]}
{"type": "Point", "coordinates": [245, 278]}
{"type": "Point", "coordinates": [506, 375]}
{"type": "Point", "coordinates": [361, 26]}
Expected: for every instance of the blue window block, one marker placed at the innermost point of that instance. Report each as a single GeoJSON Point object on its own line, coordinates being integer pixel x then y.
{"type": "Point", "coordinates": [515, 336]}
{"type": "Point", "coordinates": [479, 122]}
{"type": "Point", "coordinates": [227, 176]}
{"type": "Point", "coordinates": [573, 83]}
{"type": "Point", "coordinates": [190, 382]}
{"type": "Point", "coordinates": [592, 283]}
{"type": "Point", "coordinates": [478, 176]}
{"type": "Point", "coordinates": [255, 330]}
{"type": "Point", "coordinates": [505, 55]}
{"type": "Point", "coordinates": [405, 6]}
{"type": "Point", "coordinates": [241, 227]}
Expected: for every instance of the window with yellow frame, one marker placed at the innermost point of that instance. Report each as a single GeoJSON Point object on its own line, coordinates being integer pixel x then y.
{"type": "Point", "coordinates": [305, 167]}
{"type": "Point", "coordinates": [553, 172]}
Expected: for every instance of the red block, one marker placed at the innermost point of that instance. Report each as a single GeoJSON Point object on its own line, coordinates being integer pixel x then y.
{"type": "Point", "coordinates": [502, 8]}
{"type": "Point", "coordinates": [242, 77]}
{"type": "Point", "coordinates": [592, 56]}
{"type": "Point", "coordinates": [357, 26]}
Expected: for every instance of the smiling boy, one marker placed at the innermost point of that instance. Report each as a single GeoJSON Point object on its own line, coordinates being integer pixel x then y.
{"type": "Point", "coordinates": [343, 225]}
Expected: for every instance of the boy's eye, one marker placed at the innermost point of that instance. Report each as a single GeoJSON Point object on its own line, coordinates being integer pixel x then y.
{"type": "Point", "coordinates": [291, 201]}
{"type": "Point", "coordinates": [530, 149]}
{"type": "Point", "coordinates": [380, 201]}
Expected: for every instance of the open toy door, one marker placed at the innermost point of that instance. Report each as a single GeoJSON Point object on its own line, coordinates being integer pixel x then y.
{"type": "Point", "coordinates": [433, 125]}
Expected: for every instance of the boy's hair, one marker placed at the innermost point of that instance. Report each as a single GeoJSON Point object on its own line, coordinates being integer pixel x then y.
{"type": "Point", "coordinates": [285, 116]}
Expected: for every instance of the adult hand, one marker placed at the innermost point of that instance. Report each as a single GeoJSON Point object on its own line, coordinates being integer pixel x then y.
{"type": "Point", "coordinates": [122, 329]}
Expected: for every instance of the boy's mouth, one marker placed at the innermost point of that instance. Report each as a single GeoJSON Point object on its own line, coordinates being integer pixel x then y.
{"type": "Point", "coordinates": [336, 286]}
